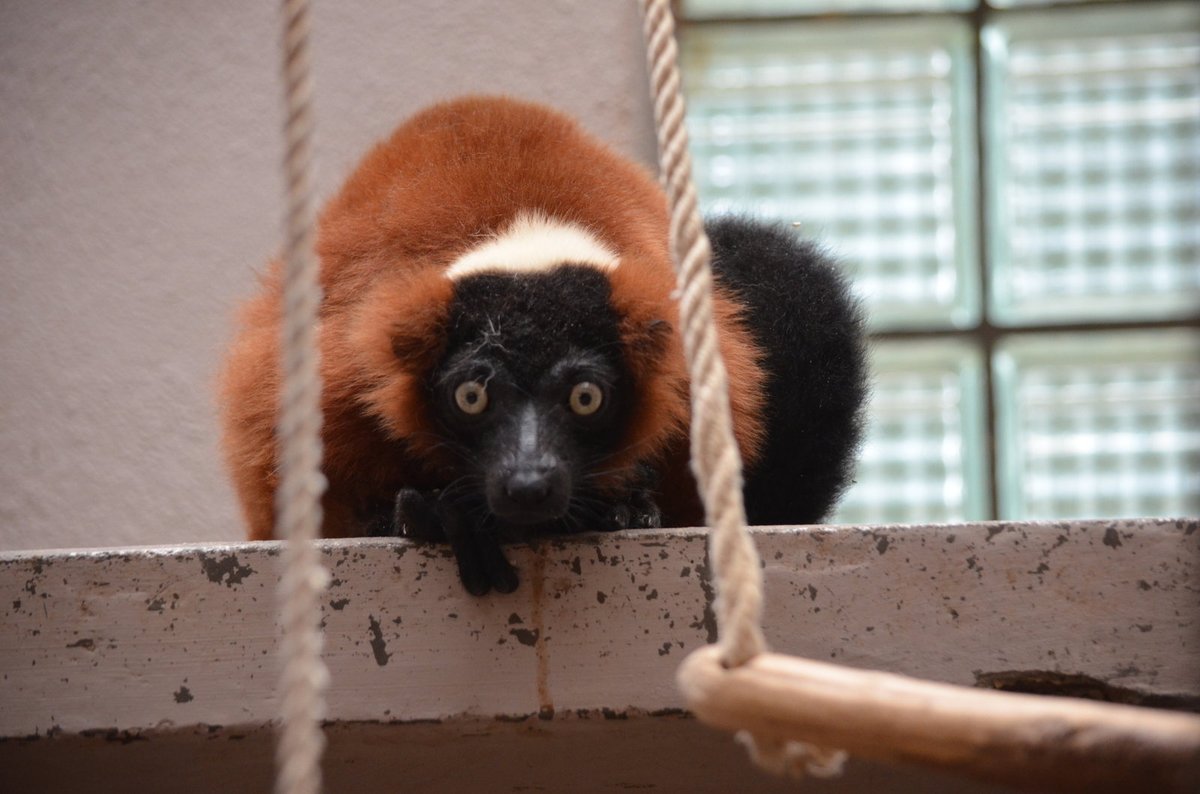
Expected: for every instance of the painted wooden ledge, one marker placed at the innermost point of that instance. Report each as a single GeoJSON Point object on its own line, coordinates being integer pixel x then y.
{"type": "Point", "coordinates": [151, 661]}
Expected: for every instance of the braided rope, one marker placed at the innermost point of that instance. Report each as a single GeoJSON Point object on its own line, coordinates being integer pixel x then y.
{"type": "Point", "coordinates": [737, 572]}
{"type": "Point", "coordinates": [715, 458]}
{"type": "Point", "coordinates": [298, 500]}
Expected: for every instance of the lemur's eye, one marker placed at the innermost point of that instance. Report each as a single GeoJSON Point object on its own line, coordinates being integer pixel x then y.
{"type": "Point", "coordinates": [586, 398]}
{"type": "Point", "coordinates": [471, 397]}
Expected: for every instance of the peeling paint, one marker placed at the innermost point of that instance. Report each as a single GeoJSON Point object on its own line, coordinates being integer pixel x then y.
{"type": "Point", "coordinates": [378, 645]}
{"type": "Point", "coordinates": [224, 569]}
{"type": "Point", "coordinates": [708, 618]}
{"type": "Point", "coordinates": [115, 735]}
{"type": "Point", "coordinates": [1078, 685]}
{"type": "Point", "coordinates": [526, 636]}
{"type": "Point", "coordinates": [1112, 538]}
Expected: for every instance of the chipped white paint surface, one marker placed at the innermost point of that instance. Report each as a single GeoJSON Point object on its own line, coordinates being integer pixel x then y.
{"type": "Point", "coordinates": [142, 639]}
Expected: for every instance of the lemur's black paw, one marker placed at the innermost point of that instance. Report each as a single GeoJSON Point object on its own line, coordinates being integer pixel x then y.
{"type": "Point", "coordinates": [500, 572]}
{"type": "Point", "coordinates": [616, 517]}
{"type": "Point", "coordinates": [380, 526]}
{"type": "Point", "coordinates": [474, 578]}
{"type": "Point", "coordinates": [414, 517]}
{"type": "Point", "coordinates": [504, 577]}
{"type": "Point", "coordinates": [639, 511]}
{"type": "Point", "coordinates": [482, 566]}
{"type": "Point", "coordinates": [644, 513]}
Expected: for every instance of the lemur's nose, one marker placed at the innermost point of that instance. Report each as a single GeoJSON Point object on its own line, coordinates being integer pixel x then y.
{"type": "Point", "coordinates": [528, 487]}
{"type": "Point", "coordinates": [532, 483]}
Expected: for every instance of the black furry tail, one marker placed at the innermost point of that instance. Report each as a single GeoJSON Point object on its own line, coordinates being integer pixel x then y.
{"type": "Point", "coordinates": [799, 308]}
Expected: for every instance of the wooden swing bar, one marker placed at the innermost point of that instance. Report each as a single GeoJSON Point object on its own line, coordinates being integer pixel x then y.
{"type": "Point", "coordinates": [1032, 742]}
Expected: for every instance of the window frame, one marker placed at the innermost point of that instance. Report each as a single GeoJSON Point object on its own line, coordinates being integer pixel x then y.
{"type": "Point", "coordinates": [986, 331]}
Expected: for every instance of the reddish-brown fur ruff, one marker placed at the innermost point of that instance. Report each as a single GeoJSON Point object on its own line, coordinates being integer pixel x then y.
{"type": "Point", "coordinates": [446, 180]}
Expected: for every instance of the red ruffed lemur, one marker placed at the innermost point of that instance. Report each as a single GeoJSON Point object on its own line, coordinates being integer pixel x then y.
{"type": "Point", "coordinates": [500, 348]}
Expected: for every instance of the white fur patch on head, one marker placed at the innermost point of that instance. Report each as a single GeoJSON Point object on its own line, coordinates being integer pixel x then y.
{"type": "Point", "coordinates": [534, 243]}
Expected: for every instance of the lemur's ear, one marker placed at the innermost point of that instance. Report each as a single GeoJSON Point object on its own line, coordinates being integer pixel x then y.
{"type": "Point", "coordinates": [645, 343]}
{"type": "Point", "coordinates": [403, 322]}
{"type": "Point", "coordinates": [397, 336]}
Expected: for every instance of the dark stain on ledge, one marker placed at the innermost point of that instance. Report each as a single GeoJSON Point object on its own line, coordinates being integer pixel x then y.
{"type": "Point", "coordinates": [378, 645]}
{"type": "Point", "coordinates": [1077, 685]}
{"type": "Point", "coordinates": [114, 735]}
{"type": "Point", "coordinates": [707, 621]}
{"type": "Point", "coordinates": [479, 726]}
{"type": "Point", "coordinates": [339, 604]}
{"type": "Point", "coordinates": [225, 569]}
{"type": "Point", "coordinates": [1112, 538]}
{"type": "Point", "coordinates": [526, 636]}
{"type": "Point", "coordinates": [184, 695]}
{"type": "Point", "coordinates": [513, 717]}
{"type": "Point", "coordinates": [86, 643]}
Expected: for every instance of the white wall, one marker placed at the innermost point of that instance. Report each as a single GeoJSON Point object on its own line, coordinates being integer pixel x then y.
{"type": "Point", "coordinates": [139, 191]}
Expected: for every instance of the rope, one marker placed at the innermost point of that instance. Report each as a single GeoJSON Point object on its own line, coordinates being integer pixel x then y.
{"type": "Point", "coordinates": [737, 572]}
{"type": "Point", "coordinates": [298, 500]}
{"type": "Point", "coordinates": [715, 458]}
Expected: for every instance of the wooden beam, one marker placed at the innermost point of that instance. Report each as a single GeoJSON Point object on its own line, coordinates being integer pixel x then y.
{"type": "Point", "coordinates": [1034, 742]}
{"type": "Point", "coordinates": [164, 646]}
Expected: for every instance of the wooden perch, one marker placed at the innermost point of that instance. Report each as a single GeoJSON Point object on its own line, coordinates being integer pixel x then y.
{"type": "Point", "coordinates": [1033, 742]}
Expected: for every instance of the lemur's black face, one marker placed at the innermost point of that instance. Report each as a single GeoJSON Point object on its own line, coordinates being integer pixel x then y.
{"type": "Point", "coordinates": [532, 393]}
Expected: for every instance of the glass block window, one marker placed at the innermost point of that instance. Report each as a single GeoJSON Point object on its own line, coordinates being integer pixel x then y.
{"type": "Point", "coordinates": [1097, 164]}
{"type": "Point", "coordinates": [1100, 425]}
{"type": "Point", "coordinates": [1015, 190]}
{"type": "Point", "coordinates": [1018, 3]}
{"type": "Point", "coordinates": [707, 9]}
{"type": "Point", "coordinates": [858, 134]}
{"type": "Point", "coordinates": [925, 438]}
